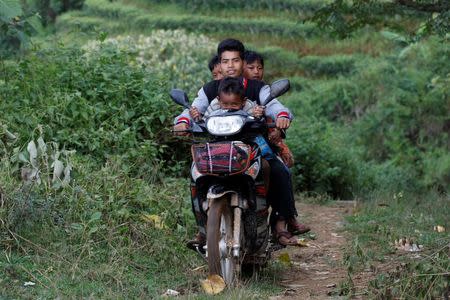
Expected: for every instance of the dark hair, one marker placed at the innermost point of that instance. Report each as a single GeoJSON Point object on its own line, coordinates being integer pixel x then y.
{"type": "Point", "coordinates": [213, 62]}
{"type": "Point", "coordinates": [230, 45]}
{"type": "Point", "coordinates": [231, 85]}
{"type": "Point", "coordinates": [252, 56]}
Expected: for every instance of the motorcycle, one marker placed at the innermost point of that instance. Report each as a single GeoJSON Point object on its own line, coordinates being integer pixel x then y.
{"type": "Point", "coordinates": [229, 180]}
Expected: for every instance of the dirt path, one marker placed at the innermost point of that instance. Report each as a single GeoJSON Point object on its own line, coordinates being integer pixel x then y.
{"type": "Point", "coordinates": [317, 270]}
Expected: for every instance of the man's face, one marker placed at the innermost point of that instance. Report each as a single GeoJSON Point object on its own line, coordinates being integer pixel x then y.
{"type": "Point", "coordinates": [231, 64]}
{"type": "Point", "coordinates": [216, 74]}
{"type": "Point", "coordinates": [230, 101]}
{"type": "Point", "coordinates": [253, 70]}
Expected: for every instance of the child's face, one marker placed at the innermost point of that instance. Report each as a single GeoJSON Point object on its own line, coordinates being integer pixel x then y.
{"type": "Point", "coordinates": [230, 101]}
{"type": "Point", "coordinates": [254, 70]}
{"type": "Point", "coordinates": [231, 64]}
{"type": "Point", "coordinates": [216, 74]}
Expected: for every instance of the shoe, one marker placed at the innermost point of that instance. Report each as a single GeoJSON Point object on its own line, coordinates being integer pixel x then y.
{"type": "Point", "coordinates": [295, 227]}
{"type": "Point", "coordinates": [197, 242]}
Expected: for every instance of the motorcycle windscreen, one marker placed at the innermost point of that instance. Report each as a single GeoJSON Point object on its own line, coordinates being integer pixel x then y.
{"type": "Point", "coordinates": [221, 158]}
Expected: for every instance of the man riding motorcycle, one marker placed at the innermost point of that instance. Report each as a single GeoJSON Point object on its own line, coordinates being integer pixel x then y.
{"type": "Point", "coordinates": [280, 192]}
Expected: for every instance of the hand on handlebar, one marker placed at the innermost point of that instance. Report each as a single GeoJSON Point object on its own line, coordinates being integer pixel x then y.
{"type": "Point", "coordinates": [195, 114]}
{"type": "Point", "coordinates": [180, 129]}
{"type": "Point", "coordinates": [282, 123]}
{"type": "Point", "coordinates": [275, 136]}
{"type": "Point", "coordinates": [258, 111]}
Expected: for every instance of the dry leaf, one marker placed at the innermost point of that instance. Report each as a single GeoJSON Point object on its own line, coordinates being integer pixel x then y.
{"type": "Point", "coordinates": [213, 285]}
{"type": "Point", "coordinates": [42, 146]}
{"type": "Point", "coordinates": [33, 153]}
{"type": "Point", "coordinates": [9, 134]}
{"type": "Point", "coordinates": [155, 220]}
{"type": "Point", "coordinates": [198, 268]}
{"type": "Point", "coordinates": [439, 228]}
{"type": "Point", "coordinates": [285, 259]}
{"type": "Point", "coordinates": [29, 175]}
{"type": "Point", "coordinates": [407, 244]}
{"type": "Point", "coordinates": [170, 293]}
{"type": "Point", "coordinates": [67, 171]}
{"type": "Point", "coordinates": [58, 168]}
{"type": "Point", "coordinates": [302, 243]}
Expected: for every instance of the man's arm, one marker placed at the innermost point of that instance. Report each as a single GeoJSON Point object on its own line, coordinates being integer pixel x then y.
{"type": "Point", "coordinates": [276, 110]}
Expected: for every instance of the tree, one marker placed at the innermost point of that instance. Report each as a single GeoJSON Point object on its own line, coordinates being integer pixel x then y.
{"type": "Point", "coordinates": [16, 27]}
{"type": "Point", "coordinates": [343, 17]}
{"type": "Point", "coordinates": [20, 19]}
{"type": "Point", "coordinates": [50, 9]}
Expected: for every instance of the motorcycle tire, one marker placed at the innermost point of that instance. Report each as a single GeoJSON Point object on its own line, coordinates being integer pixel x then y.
{"type": "Point", "coordinates": [219, 230]}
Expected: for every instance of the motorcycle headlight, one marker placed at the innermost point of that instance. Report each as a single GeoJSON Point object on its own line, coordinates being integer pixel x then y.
{"type": "Point", "coordinates": [224, 125]}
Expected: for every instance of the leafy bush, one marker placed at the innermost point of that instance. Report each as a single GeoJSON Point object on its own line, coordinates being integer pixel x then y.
{"type": "Point", "coordinates": [102, 224]}
{"type": "Point", "coordinates": [49, 10]}
{"type": "Point", "coordinates": [109, 103]}
{"type": "Point", "coordinates": [323, 162]}
{"type": "Point", "coordinates": [175, 54]}
{"type": "Point", "coordinates": [395, 108]}
{"type": "Point", "coordinates": [16, 27]}
{"type": "Point", "coordinates": [102, 106]}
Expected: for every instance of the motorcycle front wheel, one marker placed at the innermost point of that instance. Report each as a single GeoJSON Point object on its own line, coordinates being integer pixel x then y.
{"type": "Point", "coordinates": [219, 239]}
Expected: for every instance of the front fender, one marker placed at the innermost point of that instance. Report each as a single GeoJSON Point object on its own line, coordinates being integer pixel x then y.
{"type": "Point", "coordinates": [217, 191]}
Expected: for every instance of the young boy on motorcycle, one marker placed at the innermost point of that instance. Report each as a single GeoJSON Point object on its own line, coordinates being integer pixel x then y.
{"type": "Point", "coordinates": [280, 194]}
{"type": "Point", "coordinates": [253, 65]}
{"type": "Point", "coordinates": [254, 69]}
{"type": "Point", "coordinates": [214, 67]}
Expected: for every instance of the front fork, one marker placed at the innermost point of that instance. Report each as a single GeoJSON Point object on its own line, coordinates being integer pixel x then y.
{"type": "Point", "coordinates": [237, 211]}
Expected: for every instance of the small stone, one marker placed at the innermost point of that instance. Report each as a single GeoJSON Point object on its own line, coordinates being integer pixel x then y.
{"type": "Point", "coordinates": [29, 283]}
{"type": "Point", "coordinates": [290, 292]}
{"type": "Point", "coordinates": [170, 292]}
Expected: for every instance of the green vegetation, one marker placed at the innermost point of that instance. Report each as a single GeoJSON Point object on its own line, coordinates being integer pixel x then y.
{"type": "Point", "coordinates": [416, 18]}
{"type": "Point", "coordinates": [142, 21]}
{"type": "Point", "coordinates": [106, 181]}
{"type": "Point", "coordinates": [386, 219]}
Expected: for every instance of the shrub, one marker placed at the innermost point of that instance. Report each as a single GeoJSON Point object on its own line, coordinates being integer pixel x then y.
{"type": "Point", "coordinates": [49, 10]}
{"type": "Point", "coordinates": [395, 108]}
{"type": "Point", "coordinates": [175, 54]}
{"type": "Point", "coordinates": [100, 224]}
{"type": "Point", "coordinates": [323, 162]}
{"type": "Point", "coordinates": [101, 105]}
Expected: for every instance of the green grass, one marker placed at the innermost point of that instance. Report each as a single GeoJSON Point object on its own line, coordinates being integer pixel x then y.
{"type": "Point", "coordinates": [387, 218]}
{"type": "Point", "coordinates": [197, 23]}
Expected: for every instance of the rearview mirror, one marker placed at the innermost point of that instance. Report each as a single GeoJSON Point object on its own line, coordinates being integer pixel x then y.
{"type": "Point", "coordinates": [277, 89]}
{"type": "Point", "coordinates": [179, 96]}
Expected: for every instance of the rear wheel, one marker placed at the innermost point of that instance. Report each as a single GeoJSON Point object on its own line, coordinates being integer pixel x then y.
{"type": "Point", "coordinates": [219, 240]}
